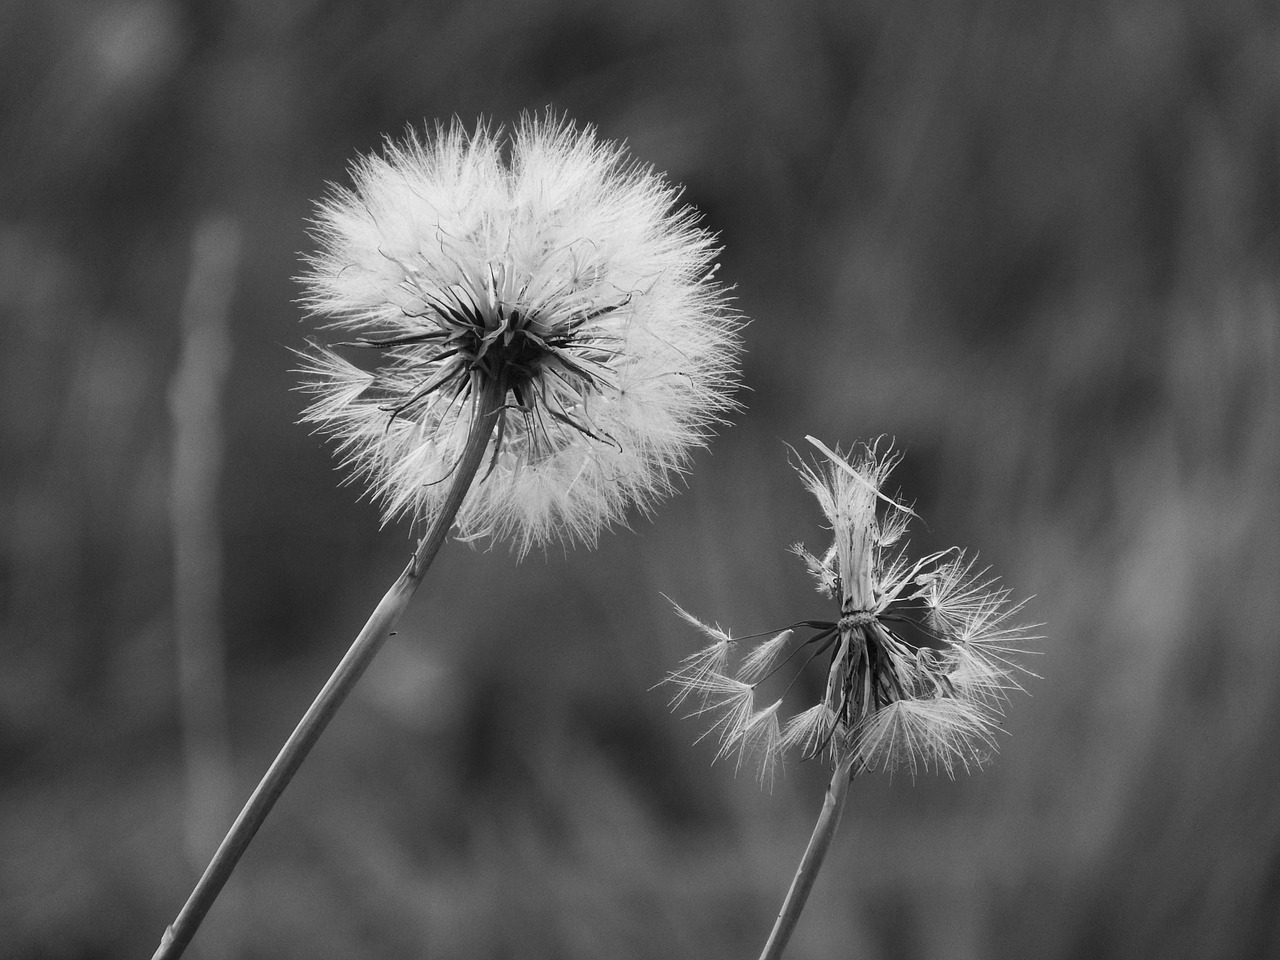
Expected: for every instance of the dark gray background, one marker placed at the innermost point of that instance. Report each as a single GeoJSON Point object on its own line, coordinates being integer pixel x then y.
{"type": "Point", "coordinates": [1034, 241]}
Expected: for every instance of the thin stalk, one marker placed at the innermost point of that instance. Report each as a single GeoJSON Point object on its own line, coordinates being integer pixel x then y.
{"type": "Point", "coordinates": [811, 862]}
{"type": "Point", "coordinates": [487, 406]}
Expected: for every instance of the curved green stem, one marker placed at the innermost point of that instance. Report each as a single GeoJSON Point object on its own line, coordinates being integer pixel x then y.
{"type": "Point", "coordinates": [485, 412]}
{"type": "Point", "coordinates": [811, 862]}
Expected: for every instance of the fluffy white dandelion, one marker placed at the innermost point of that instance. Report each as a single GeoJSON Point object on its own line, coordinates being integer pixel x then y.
{"type": "Point", "coordinates": [913, 672]}
{"type": "Point", "coordinates": [543, 266]}
{"type": "Point", "coordinates": [915, 668]}
{"type": "Point", "coordinates": [548, 346]}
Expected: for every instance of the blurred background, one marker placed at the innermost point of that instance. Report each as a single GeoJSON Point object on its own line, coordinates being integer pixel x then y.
{"type": "Point", "coordinates": [1035, 242]}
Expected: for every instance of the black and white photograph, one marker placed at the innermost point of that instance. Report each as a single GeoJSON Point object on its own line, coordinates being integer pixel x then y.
{"type": "Point", "coordinates": [639, 480]}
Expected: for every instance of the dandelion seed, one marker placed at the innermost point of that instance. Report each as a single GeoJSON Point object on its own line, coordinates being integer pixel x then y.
{"type": "Point", "coordinates": [759, 737]}
{"type": "Point", "coordinates": [762, 659]}
{"type": "Point", "coordinates": [735, 703]}
{"type": "Point", "coordinates": [566, 277]}
{"type": "Point", "coordinates": [809, 730]}
{"type": "Point", "coordinates": [701, 672]}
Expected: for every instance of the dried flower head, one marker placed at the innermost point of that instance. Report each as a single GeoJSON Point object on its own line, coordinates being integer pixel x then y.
{"type": "Point", "coordinates": [917, 665]}
{"type": "Point", "coordinates": [543, 264]}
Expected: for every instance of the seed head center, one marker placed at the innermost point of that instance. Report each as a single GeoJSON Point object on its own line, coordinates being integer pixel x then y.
{"type": "Point", "coordinates": [508, 349]}
{"type": "Point", "coordinates": [859, 618]}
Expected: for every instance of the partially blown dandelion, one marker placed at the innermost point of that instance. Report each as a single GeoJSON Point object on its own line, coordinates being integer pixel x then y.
{"type": "Point", "coordinates": [566, 279]}
{"type": "Point", "coordinates": [551, 347]}
{"type": "Point", "coordinates": [915, 667]}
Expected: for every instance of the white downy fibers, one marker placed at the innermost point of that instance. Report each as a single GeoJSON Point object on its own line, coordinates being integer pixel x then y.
{"type": "Point", "coordinates": [543, 262]}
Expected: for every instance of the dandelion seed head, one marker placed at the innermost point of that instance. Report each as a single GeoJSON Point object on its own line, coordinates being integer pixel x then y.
{"type": "Point", "coordinates": [918, 659]}
{"type": "Point", "coordinates": [543, 262]}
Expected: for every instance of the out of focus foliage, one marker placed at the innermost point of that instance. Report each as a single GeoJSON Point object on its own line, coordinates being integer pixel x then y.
{"type": "Point", "coordinates": [1036, 242]}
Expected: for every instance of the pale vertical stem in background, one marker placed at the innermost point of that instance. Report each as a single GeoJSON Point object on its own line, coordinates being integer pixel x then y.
{"type": "Point", "coordinates": [811, 862]}
{"type": "Point", "coordinates": [195, 398]}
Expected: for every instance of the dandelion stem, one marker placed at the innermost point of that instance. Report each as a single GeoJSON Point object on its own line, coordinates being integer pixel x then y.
{"type": "Point", "coordinates": [485, 413]}
{"type": "Point", "coordinates": [811, 862]}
